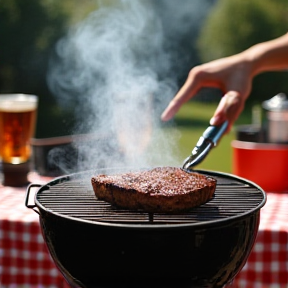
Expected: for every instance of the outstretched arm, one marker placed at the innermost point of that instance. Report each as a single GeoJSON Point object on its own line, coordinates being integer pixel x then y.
{"type": "Point", "coordinates": [233, 75]}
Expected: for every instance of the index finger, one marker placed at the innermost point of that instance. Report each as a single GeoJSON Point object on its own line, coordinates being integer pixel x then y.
{"type": "Point", "coordinates": [187, 91]}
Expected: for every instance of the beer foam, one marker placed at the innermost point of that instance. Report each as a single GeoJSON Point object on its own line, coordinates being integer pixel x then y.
{"type": "Point", "coordinates": [17, 106]}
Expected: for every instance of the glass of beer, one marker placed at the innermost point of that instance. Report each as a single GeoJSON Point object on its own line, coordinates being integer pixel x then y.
{"type": "Point", "coordinates": [17, 126]}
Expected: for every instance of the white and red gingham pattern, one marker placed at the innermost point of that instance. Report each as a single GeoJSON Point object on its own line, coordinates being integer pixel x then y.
{"type": "Point", "coordinates": [267, 265]}
{"type": "Point", "coordinates": [24, 259]}
{"type": "Point", "coordinates": [26, 263]}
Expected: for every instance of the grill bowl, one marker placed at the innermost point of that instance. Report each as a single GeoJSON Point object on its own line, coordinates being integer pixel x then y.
{"type": "Point", "coordinates": [97, 245]}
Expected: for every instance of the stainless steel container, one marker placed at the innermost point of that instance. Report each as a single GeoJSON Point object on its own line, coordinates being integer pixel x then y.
{"type": "Point", "coordinates": [277, 118]}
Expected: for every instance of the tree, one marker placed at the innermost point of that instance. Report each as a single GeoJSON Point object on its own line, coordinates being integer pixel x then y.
{"type": "Point", "coordinates": [28, 33]}
{"type": "Point", "coordinates": [234, 25]}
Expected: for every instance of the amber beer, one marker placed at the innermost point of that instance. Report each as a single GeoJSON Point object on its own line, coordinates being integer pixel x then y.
{"type": "Point", "coordinates": [17, 126]}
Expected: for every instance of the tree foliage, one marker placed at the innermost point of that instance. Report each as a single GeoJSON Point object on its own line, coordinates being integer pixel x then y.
{"type": "Point", "coordinates": [235, 25]}
{"type": "Point", "coordinates": [27, 30]}
{"type": "Point", "coordinates": [28, 33]}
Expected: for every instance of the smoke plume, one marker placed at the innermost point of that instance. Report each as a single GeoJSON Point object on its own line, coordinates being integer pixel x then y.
{"type": "Point", "coordinates": [118, 69]}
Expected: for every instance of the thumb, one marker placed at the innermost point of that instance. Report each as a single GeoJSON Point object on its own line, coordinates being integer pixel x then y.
{"type": "Point", "coordinates": [229, 108]}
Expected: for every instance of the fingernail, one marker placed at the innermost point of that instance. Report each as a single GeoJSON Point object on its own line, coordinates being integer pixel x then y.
{"type": "Point", "coordinates": [165, 116]}
{"type": "Point", "coordinates": [214, 120]}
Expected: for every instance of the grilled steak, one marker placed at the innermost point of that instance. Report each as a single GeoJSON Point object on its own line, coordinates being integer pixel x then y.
{"type": "Point", "coordinates": [161, 189]}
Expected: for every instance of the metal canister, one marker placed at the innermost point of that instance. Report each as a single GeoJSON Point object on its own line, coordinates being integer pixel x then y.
{"type": "Point", "coordinates": [277, 118]}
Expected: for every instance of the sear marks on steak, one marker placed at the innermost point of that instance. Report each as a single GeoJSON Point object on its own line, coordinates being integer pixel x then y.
{"type": "Point", "coordinates": [159, 190]}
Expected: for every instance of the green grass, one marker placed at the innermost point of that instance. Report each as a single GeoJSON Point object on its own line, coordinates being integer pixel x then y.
{"type": "Point", "coordinates": [191, 121]}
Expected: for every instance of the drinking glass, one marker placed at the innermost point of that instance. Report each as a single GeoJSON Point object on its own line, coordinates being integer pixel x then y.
{"type": "Point", "coordinates": [17, 126]}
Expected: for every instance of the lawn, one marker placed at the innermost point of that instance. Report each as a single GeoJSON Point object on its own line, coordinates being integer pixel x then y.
{"type": "Point", "coordinates": [191, 121]}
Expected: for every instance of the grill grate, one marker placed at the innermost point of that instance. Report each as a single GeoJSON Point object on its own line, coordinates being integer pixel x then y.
{"type": "Point", "coordinates": [234, 197]}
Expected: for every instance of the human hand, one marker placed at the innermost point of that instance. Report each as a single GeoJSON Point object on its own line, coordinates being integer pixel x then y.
{"type": "Point", "coordinates": [233, 75]}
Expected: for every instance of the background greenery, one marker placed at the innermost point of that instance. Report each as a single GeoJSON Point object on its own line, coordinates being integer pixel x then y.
{"type": "Point", "coordinates": [30, 29]}
{"type": "Point", "coordinates": [234, 25]}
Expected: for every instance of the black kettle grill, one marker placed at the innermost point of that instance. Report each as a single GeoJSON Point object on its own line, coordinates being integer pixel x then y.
{"type": "Point", "coordinates": [96, 245]}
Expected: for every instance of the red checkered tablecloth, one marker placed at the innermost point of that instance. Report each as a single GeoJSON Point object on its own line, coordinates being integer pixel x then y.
{"type": "Point", "coordinates": [267, 265]}
{"type": "Point", "coordinates": [24, 259]}
{"type": "Point", "coordinates": [26, 263]}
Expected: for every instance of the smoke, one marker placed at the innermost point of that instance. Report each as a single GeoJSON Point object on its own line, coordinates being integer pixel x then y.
{"type": "Point", "coordinates": [118, 69]}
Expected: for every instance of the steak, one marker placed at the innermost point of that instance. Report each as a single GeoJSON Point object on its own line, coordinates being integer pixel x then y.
{"type": "Point", "coordinates": [161, 189]}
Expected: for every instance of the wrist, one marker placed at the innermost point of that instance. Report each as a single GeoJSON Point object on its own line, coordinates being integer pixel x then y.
{"type": "Point", "coordinates": [268, 56]}
{"type": "Point", "coordinates": [253, 60]}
